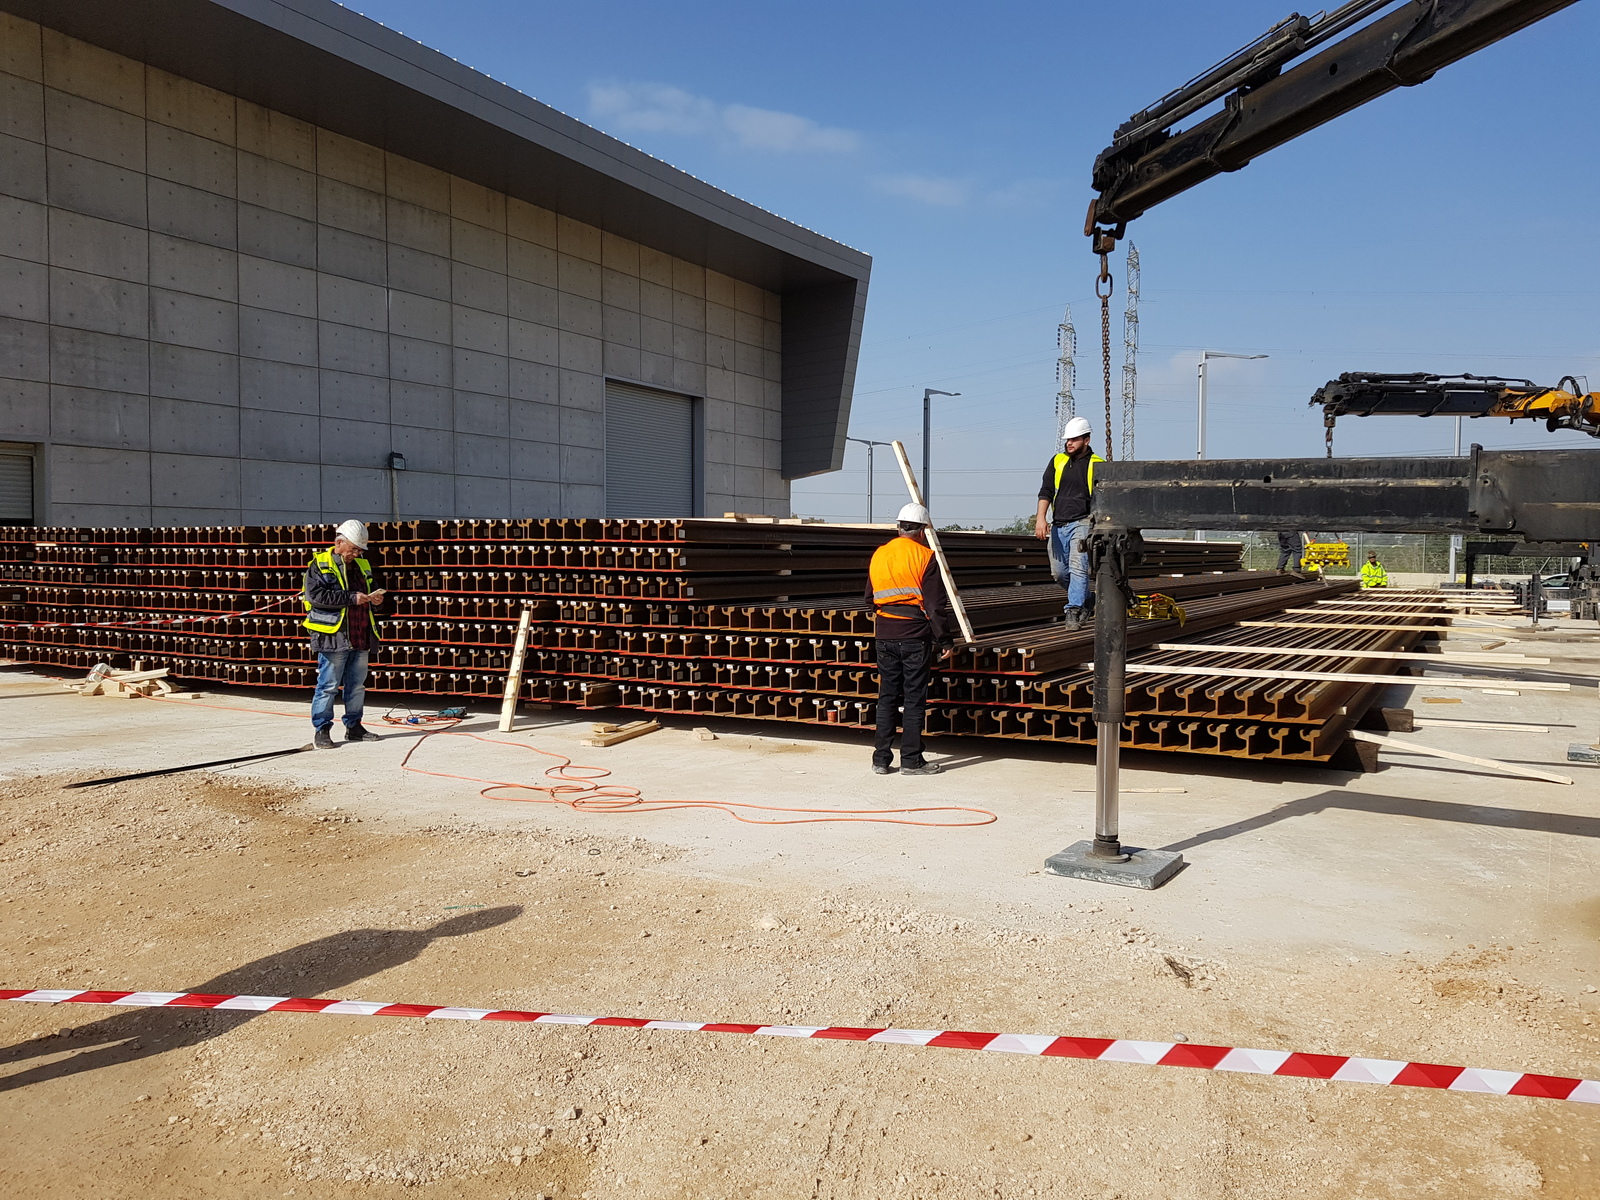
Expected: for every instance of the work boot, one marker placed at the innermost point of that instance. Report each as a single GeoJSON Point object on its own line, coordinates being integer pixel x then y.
{"type": "Point", "coordinates": [355, 733]}
{"type": "Point", "coordinates": [323, 740]}
{"type": "Point", "coordinates": [923, 768]}
{"type": "Point", "coordinates": [882, 768]}
{"type": "Point", "coordinates": [1072, 617]}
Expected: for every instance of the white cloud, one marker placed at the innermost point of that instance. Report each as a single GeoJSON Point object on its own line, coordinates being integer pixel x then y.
{"type": "Point", "coordinates": [658, 108]}
{"type": "Point", "coordinates": [928, 189]}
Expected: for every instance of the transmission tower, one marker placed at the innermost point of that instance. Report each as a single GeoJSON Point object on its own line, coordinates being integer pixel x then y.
{"type": "Point", "coordinates": [1066, 373]}
{"type": "Point", "coordinates": [1130, 355]}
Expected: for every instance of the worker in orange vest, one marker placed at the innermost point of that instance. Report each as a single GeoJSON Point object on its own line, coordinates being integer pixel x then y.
{"type": "Point", "coordinates": [907, 594]}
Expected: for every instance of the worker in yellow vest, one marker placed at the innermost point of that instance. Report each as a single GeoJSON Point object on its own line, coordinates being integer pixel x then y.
{"type": "Point", "coordinates": [1372, 573]}
{"type": "Point", "coordinates": [1062, 519]}
{"type": "Point", "coordinates": [339, 597]}
{"type": "Point", "coordinates": [907, 595]}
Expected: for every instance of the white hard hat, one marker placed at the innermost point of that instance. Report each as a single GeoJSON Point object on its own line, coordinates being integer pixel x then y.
{"type": "Point", "coordinates": [1077, 427]}
{"type": "Point", "coordinates": [914, 514]}
{"type": "Point", "coordinates": [354, 532]}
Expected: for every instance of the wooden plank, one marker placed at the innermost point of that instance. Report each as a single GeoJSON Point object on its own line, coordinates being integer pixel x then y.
{"type": "Point", "coordinates": [1465, 656]}
{"type": "Point", "coordinates": [1338, 677]}
{"type": "Point", "coordinates": [508, 703]}
{"type": "Point", "coordinates": [1314, 625]}
{"type": "Point", "coordinates": [1492, 764]}
{"type": "Point", "coordinates": [1359, 611]}
{"type": "Point", "coordinates": [627, 732]}
{"type": "Point", "coordinates": [1458, 723]}
{"type": "Point", "coordinates": [956, 605]}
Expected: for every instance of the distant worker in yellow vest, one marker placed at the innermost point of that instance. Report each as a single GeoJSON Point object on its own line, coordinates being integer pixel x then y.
{"type": "Point", "coordinates": [339, 597]}
{"type": "Point", "coordinates": [907, 594]}
{"type": "Point", "coordinates": [1062, 519]}
{"type": "Point", "coordinates": [1372, 573]}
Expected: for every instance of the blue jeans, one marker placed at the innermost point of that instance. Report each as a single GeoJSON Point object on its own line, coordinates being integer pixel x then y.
{"type": "Point", "coordinates": [1069, 562]}
{"type": "Point", "coordinates": [345, 669]}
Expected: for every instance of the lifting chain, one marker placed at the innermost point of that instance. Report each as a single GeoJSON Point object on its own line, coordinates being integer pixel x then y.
{"type": "Point", "coordinates": [1327, 432]}
{"type": "Point", "coordinates": [1103, 288]}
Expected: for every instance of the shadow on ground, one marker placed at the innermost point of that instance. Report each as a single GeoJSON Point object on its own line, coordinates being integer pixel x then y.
{"type": "Point", "coordinates": [316, 967]}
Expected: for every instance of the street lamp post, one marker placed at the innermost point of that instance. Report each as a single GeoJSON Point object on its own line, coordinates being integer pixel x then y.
{"type": "Point", "coordinates": [1200, 419]}
{"type": "Point", "coordinates": [927, 452]}
{"type": "Point", "coordinates": [870, 445]}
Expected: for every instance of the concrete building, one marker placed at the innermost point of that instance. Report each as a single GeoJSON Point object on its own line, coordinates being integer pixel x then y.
{"type": "Point", "coordinates": [267, 261]}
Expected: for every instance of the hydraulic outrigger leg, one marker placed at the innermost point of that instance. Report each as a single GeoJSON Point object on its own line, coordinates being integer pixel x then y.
{"type": "Point", "coordinates": [1106, 859]}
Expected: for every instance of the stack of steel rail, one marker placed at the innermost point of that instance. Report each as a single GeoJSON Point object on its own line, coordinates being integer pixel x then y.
{"type": "Point", "coordinates": [727, 617]}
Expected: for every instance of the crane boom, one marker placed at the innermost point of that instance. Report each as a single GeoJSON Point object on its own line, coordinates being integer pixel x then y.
{"type": "Point", "coordinates": [1266, 105]}
{"type": "Point", "coordinates": [1568, 405]}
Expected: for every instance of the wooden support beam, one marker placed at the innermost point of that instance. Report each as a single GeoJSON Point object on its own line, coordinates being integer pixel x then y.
{"type": "Point", "coordinates": [1338, 677]}
{"type": "Point", "coordinates": [1456, 723]}
{"type": "Point", "coordinates": [508, 703]}
{"type": "Point", "coordinates": [1314, 625]}
{"type": "Point", "coordinates": [1491, 763]}
{"type": "Point", "coordinates": [956, 606]}
{"type": "Point", "coordinates": [1464, 657]}
{"type": "Point", "coordinates": [623, 733]}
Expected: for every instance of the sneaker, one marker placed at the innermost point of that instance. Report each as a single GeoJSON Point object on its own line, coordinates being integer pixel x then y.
{"type": "Point", "coordinates": [355, 733]}
{"type": "Point", "coordinates": [882, 769]}
{"type": "Point", "coordinates": [323, 740]}
{"type": "Point", "coordinates": [926, 768]}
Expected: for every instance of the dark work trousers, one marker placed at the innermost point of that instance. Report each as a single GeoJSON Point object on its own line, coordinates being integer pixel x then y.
{"type": "Point", "coordinates": [904, 667]}
{"type": "Point", "coordinates": [1285, 557]}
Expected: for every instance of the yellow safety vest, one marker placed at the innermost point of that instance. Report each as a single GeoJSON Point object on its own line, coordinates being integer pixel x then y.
{"type": "Point", "coordinates": [323, 620]}
{"type": "Point", "coordinates": [1061, 461]}
{"type": "Point", "coordinates": [1373, 575]}
{"type": "Point", "coordinates": [896, 573]}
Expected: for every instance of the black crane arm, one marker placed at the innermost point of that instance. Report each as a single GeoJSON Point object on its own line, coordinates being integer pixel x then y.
{"type": "Point", "coordinates": [1265, 105]}
{"type": "Point", "coordinates": [1568, 405]}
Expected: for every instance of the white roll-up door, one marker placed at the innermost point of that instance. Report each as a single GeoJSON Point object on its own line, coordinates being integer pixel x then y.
{"type": "Point", "coordinates": [16, 484]}
{"type": "Point", "coordinates": [650, 452]}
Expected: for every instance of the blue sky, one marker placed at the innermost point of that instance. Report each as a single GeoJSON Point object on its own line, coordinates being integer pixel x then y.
{"type": "Point", "coordinates": [1447, 227]}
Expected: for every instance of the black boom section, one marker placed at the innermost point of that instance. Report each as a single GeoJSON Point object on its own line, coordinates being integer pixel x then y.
{"type": "Point", "coordinates": [1146, 166]}
{"type": "Point", "coordinates": [1544, 495]}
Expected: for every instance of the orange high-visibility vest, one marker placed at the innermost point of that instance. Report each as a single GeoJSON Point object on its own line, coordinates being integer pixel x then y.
{"type": "Point", "coordinates": [896, 573]}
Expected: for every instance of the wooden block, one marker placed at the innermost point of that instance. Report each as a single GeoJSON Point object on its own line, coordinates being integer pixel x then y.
{"type": "Point", "coordinates": [604, 727]}
{"type": "Point", "coordinates": [627, 732]}
{"type": "Point", "coordinates": [704, 735]}
{"type": "Point", "coordinates": [1441, 700]}
{"type": "Point", "coordinates": [1394, 720]}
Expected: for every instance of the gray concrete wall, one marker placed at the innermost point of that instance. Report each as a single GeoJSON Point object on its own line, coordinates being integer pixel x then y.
{"type": "Point", "coordinates": [214, 313]}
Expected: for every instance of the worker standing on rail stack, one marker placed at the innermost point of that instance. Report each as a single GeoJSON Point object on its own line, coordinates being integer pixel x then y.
{"type": "Point", "coordinates": [907, 595]}
{"type": "Point", "coordinates": [1065, 498]}
{"type": "Point", "coordinates": [1372, 573]}
{"type": "Point", "coordinates": [339, 597]}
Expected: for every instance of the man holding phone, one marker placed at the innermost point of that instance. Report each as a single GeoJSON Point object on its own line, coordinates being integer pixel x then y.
{"type": "Point", "coordinates": [344, 629]}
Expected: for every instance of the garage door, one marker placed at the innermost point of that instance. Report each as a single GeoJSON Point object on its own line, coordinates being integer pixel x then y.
{"type": "Point", "coordinates": [650, 452]}
{"type": "Point", "coordinates": [16, 486]}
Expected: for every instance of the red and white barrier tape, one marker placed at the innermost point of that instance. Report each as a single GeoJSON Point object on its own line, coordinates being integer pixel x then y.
{"type": "Point", "coordinates": [145, 622]}
{"type": "Point", "coordinates": [1342, 1068]}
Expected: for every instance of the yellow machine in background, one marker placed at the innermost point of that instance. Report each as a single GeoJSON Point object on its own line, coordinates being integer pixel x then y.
{"type": "Point", "coordinates": [1318, 555]}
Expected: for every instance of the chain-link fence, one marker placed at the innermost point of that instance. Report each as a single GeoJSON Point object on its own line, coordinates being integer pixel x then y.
{"type": "Point", "coordinates": [1400, 554]}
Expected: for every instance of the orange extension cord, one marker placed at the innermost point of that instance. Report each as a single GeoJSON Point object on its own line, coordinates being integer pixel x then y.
{"type": "Point", "coordinates": [584, 793]}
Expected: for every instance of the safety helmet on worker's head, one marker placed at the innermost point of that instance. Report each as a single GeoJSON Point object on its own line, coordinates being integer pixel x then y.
{"type": "Point", "coordinates": [914, 514]}
{"type": "Point", "coordinates": [1076, 428]}
{"type": "Point", "coordinates": [354, 532]}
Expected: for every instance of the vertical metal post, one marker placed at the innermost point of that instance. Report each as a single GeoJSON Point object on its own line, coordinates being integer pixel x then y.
{"type": "Point", "coordinates": [1535, 599]}
{"type": "Point", "coordinates": [1200, 415]}
{"type": "Point", "coordinates": [871, 447]}
{"type": "Point", "coordinates": [927, 445]}
{"type": "Point", "coordinates": [1110, 702]}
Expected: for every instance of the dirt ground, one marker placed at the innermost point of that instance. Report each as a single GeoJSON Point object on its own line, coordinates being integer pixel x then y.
{"type": "Point", "coordinates": [225, 885]}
